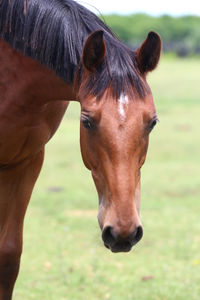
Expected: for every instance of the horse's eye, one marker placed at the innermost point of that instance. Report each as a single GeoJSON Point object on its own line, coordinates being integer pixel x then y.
{"type": "Point", "coordinates": [88, 124]}
{"type": "Point", "coordinates": [152, 124]}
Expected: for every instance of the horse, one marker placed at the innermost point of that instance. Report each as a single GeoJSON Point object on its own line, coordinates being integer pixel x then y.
{"type": "Point", "coordinates": [53, 52]}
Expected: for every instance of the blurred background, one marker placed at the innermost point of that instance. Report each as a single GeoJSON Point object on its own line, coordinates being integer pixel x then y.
{"type": "Point", "coordinates": [64, 257]}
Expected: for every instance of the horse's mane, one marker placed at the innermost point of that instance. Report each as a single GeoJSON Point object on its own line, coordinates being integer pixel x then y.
{"type": "Point", "coordinates": [54, 31]}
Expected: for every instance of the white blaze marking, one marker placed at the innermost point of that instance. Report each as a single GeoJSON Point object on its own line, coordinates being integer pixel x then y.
{"type": "Point", "coordinates": [123, 101]}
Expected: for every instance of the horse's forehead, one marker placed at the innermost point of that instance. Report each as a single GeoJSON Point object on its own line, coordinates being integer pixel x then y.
{"type": "Point", "coordinates": [123, 102]}
{"type": "Point", "coordinates": [123, 109]}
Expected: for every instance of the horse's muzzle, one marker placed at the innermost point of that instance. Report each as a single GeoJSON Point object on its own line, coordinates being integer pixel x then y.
{"type": "Point", "coordinates": [117, 243]}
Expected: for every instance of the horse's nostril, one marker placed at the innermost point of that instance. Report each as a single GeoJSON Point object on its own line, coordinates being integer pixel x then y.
{"type": "Point", "coordinates": [136, 236]}
{"type": "Point", "coordinates": [118, 243]}
{"type": "Point", "coordinates": [108, 236]}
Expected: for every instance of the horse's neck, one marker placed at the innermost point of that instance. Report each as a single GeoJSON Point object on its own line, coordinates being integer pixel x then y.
{"type": "Point", "coordinates": [27, 81]}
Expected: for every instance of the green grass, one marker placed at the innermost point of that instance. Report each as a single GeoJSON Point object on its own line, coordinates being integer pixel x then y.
{"type": "Point", "coordinates": [64, 257]}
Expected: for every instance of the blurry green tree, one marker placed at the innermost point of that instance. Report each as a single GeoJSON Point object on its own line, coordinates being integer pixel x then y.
{"type": "Point", "coordinates": [179, 34]}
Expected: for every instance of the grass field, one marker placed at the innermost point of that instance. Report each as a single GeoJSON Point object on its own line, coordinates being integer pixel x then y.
{"type": "Point", "coordinates": [64, 257]}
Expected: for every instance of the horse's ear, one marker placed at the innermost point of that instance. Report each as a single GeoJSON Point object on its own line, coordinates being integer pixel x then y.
{"type": "Point", "coordinates": [94, 51]}
{"type": "Point", "coordinates": [148, 54]}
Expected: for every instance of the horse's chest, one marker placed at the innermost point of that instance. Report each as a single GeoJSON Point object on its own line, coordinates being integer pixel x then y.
{"type": "Point", "coordinates": [19, 139]}
{"type": "Point", "coordinates": [24, 133]}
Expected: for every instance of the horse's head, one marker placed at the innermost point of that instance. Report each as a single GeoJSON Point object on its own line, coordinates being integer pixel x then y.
{"type": "Point", "coordinates": [115, 127]}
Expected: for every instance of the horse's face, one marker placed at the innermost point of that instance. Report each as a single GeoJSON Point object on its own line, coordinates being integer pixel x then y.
{"type": "Point", "coordinates": [114, 141]}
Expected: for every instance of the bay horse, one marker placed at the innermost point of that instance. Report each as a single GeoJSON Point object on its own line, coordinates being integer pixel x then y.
{"type": "Point", "coordinates": [53, 52]}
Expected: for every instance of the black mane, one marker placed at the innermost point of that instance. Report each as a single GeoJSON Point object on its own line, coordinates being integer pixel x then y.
{"type": "Point", "coordinates": [54, 31]}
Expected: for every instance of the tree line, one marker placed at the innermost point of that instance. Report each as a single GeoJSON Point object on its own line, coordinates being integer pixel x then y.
{"type": "Point", "coordinates": [179, 34]}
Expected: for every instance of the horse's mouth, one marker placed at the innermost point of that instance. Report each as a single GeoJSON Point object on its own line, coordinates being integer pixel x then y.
{"type": "Point", "coordinates": [119, 247]}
